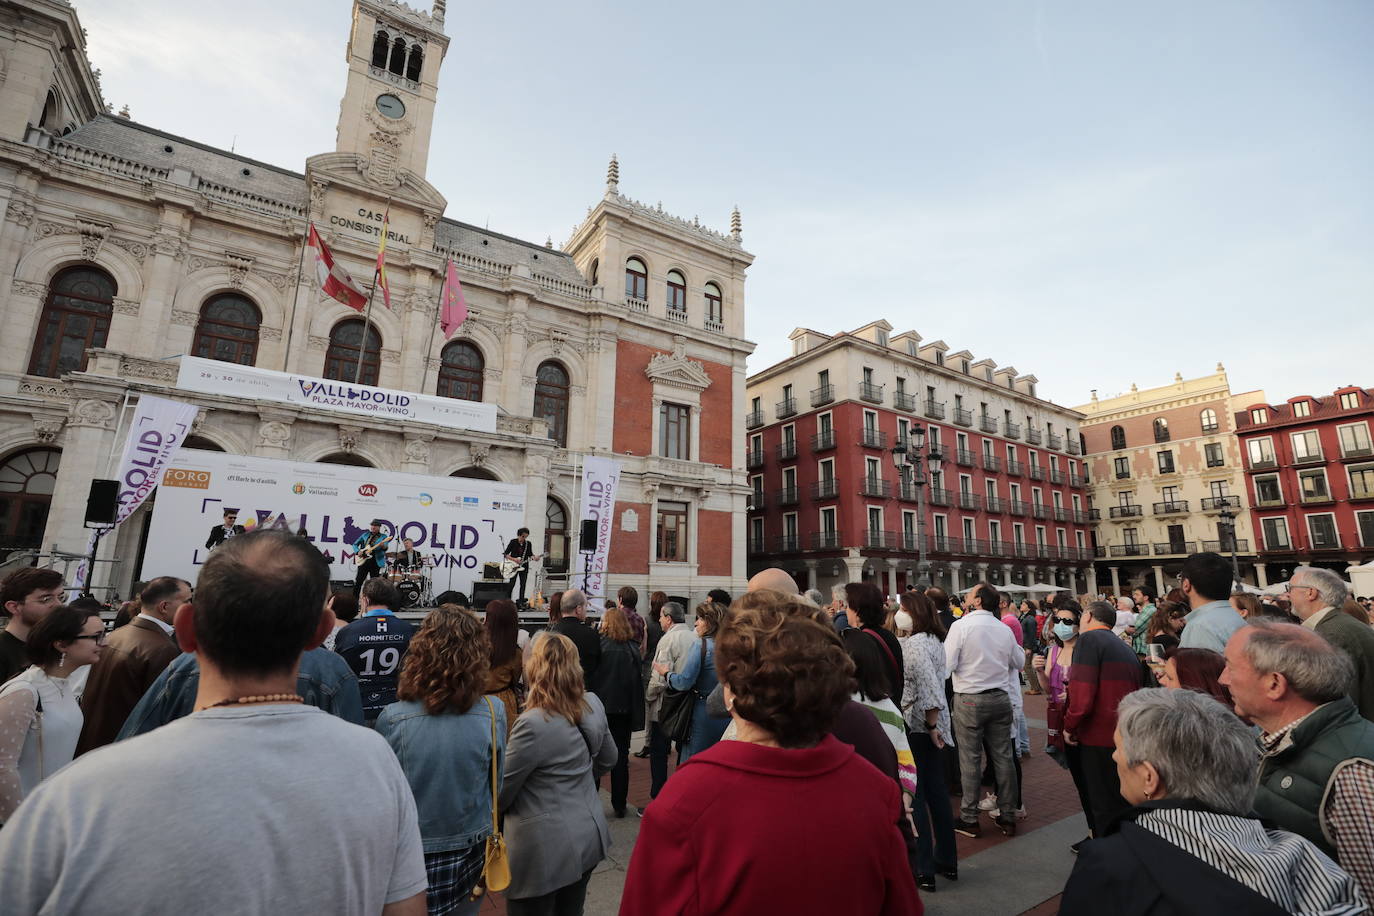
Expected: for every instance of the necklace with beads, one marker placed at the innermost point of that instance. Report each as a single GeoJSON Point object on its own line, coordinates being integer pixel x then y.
{"type": "Point", "coordinates": [264, 698]}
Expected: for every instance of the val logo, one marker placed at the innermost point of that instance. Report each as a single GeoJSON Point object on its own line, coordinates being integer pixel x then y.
{"type": "Point", "coordinates": [426, 499]}
{"type": "Point", "coordinates": [367, 489]}
{"type": "Point", "coordinates": [306, 387]}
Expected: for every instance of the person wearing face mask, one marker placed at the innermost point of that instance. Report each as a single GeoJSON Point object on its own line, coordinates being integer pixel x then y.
{"type": "Point", "coordinates": [1053, 670]}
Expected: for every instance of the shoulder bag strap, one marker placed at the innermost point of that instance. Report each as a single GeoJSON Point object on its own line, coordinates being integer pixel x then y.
{"type": "Point", "coordinates": [886, 651]}
{"type": "Point", "coordinates": [703, 664]}
{"type": "Point", "coordinates": [491, 712]}
{"type": "Point", "coordinates": [38, 714]}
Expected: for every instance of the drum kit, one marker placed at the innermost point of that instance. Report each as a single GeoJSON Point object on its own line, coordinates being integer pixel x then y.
{"type": "Point", "coordinates": [415, 583]}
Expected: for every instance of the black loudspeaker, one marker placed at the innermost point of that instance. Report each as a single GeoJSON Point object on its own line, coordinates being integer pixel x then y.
{"type": "Point", "coordinates": [482, 592]}
{"type": "Point", "coordinates": [103, 502]}
{"type": "Point", "coordinates": [588, 539]}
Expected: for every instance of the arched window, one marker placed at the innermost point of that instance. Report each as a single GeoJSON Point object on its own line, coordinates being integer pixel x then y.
{"type": "Point", "coordinates": [555, 537]}
{"type": "Point", "coordinates": [715, 310]}
{"type": "Point", "coordinates": [596, 270]}
{"type": "Point", "coordinates": [49, 116]}
{"type": "Point", "coordinates": [201, 443]}
{"type": "Point", "coordinates": [1161, 430]}
{"type": "Point", "coordinates": [228, 330]}
{"type": "Point", "coordinates": [551, 400]}
{"type": "Point", "coordinates": [475, 474]}
{"type": "Point", "coordinates": [460, 372]}
{"type": "Point", "coordinates": [677, 292]}
{"type": "Point", "coordinates": [381, 44]}
{"type": "Point", "coordinates": [1209, 420]}
{"type": "Point", "coordinates": [1118, 437]}
{"type": "Point", "coordinates": [414, 63]}
{"type": "Point", "coordinates": [398, 56]}
{"type": "Point", "coordinates": [75, 318]}
{"type": "Point", "coordinates": [341, 359]}
{"type": "Point", "coordinates": [636, 279]}
{"type": "Point", "coordinates": [346, 458]}
{"type": "Point", "coordinates": [27, 481]}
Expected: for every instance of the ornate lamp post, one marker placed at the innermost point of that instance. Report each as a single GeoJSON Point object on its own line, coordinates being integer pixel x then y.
{"type": "Point", "coordinates": [1228, 523]}
{"type": "Point", "coordinates": [910, 460]}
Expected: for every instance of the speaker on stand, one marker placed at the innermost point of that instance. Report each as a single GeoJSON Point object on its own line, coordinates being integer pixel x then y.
{"type": "Point", "coordinates": [102, 508]}
{"type": "Point", "coordinates": [586, 544]}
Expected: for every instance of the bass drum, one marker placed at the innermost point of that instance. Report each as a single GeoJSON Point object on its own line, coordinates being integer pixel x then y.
{"type": "Point", "coordinates": [410, 593]}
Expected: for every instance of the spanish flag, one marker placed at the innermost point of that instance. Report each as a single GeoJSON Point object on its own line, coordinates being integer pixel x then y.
{"type": "Point", "coordinates": [381, 260]}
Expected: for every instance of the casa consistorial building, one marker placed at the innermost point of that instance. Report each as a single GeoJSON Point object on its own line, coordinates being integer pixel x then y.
{"type": "Point", "coordinates": [123, 248]}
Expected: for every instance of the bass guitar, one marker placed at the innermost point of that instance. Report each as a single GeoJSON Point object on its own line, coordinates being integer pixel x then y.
{"type": "Point", "coordinates": [365, 554]}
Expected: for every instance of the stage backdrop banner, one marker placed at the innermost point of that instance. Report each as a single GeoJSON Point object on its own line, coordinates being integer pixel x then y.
{"type": "Point", "coordinates": [215, 377]}
{"type": "Point", "coordinates": [600, 476]}
{"type": "Point", "coordinates": [158, 429]}
{"type": "Point", "coordinates": [460, 522]}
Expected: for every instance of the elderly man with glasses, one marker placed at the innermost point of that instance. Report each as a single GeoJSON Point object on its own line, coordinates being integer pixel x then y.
{"type": "Point", "coordinates": [1317, 596]}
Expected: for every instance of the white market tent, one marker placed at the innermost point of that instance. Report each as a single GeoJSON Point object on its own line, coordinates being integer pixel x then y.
{"type": "Point", "coordinates": [1361, 579]}
{"type": "Point", "coordinates": [1042, 587]}
{"type": "Point", "coordinates": [1011, 587]}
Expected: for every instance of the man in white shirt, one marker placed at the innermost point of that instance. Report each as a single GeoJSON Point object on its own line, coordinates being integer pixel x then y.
{"type": "Point", "coordinates": [982, 658]}
{"type": "Point", "coordinates": [239, 818]}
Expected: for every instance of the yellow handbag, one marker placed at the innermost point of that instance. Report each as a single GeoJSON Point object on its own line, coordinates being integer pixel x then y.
{"type": "Point", "coordinates": [496, 866]}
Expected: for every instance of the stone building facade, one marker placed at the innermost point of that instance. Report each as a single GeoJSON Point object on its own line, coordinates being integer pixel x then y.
{"type": "Point", "coordinates": [123, 247]}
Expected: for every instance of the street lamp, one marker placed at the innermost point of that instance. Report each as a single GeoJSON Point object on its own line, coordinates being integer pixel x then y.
{"type": "Point", "coordinates": [909, 458]}
{"type": "Point", "coordinates": [1228, 522]}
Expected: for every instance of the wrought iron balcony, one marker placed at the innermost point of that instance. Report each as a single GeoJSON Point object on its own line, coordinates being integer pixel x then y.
{"type": "Point", "coordinates": [1176, 507]}
{"type": "Point", "coordinates": [1034, 436]}
{"type": "Point", "coordinates": [939, 496]}
{"type": "Point", "coordinates": [823, 441]}
{"type": "Point", "coordinates": [1017, 507]}
{"type": "Point", "coordinates": [943, 543]}
{"type": "Point", "coordinates": [965, 458]}
{"type": "Point", "coordinates": [903, 401]}
{"type": "Point", "coordinates": [1123, 474]}
{"type": "Point", "coordinates": [1263, 464]}
{"type": "Point", "coordinates": [1013, 430]}
{"type": "Point", "coordinates": [880, 540]}
{"type": "Point", "coordinates": [1078, 480]}
{"type": "Point", "coordinates": [754, 458]}
{"type": "Point", "coordinates": [1015, 468]}
{"type": "Point", "coordinates": [1161, 435]}
{"type": "Point", "coordinates": [785, 408]}
{"type": "Point", "coordinates": [908, 492]}
{"type": "Point", "coordinates": [825, 488]}
{"type": "Point", "coordinates": [871, 392]}
{"type": "Point", "coordinates": [789, 496]}
{"type": "Point", "coordinates": [1309, 499]}
{"type": "Point", "coordinates": [826, 540]}
{"type": "Point", "coordinates": [963, 417]}
{"type": "Point", "coordinates": [987, 424]}
{"type": "Point", "coordinates": [1055, 442]}
{"type": "Point", "coordinates": [757, 501]}
{"type": "Point", "coordinates": [875, 486]}
{"type": "Point", "coordinates": [1061, 515]}
{"type": "Point", "coordinates": [1080, 517]}
{"type": "Point", "coordinates": [1073, 447]}
{"type": "Point", "coordinates": [787, 450]}
{"type": "Point", "coordinates": [1217, 503]}
{"type": "Point", "coordinates": [1174, 548]}
{"type": "Point", "coordinates": [753, 419]}
{"type": "Point", "coordinates": [1099, 551]}
{"type": "Point", "coordinates": [1036, 472]}
{"type": "Point", "coordinates": [1056, 476]}
{"type": "Point", "coordinates": [1126, 512]}
{"type": "Point", "coordinates": [1315, 458]}
{"type": "Point", "coordinates": [1094, 515]}
{"type": "Point", "coordinates": [822, 395]}
{"type": "Point", "coordinates": [935, 451]}
{"type": "Point", "coordinates": [996, 504]}
{"type": "Point", "coordinates": [756, 545]}
{"type": "Point", "coordinates": [1356, 452]}
{"type": "Point", "coordinates": [1130, 550]}
{"type": "Point", "coordinates": [1266, 502]}
{"type": "Point", "coordinates": [991, 462]}
{"type": "Point", "coordinates": [872, 438]}
{"type": "Point", "coordinates": [935, 409]}
{"type": "Point", "coordinates": [1040, 510]}
{"type": "Point", "coordinates": [970, 501]}
{"type": "Point", "coordinates": [788, 543]}
{"type": "Point", "coordinates": [1224, 546]}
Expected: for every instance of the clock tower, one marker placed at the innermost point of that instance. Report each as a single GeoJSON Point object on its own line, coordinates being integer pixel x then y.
{"type": "Point", "coordinates": [394, 53]}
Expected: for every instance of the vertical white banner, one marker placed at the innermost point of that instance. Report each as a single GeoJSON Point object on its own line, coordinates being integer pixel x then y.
{"type": "Point", "coordinates": [158, 429]}
{"type": "Point", "coordinates": [600, 477]}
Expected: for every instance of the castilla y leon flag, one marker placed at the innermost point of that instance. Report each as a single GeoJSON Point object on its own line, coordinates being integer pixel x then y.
{"type": "Point", "coordinates": [453, 311]}
{"type": "Point", "coordinates": [334, 280]}
{"type": "Point", "coordinates": [381, 261]}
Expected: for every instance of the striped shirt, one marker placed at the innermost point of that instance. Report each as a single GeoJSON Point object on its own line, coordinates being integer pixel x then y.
{"type": "Point", "coordinates": [1281, 866]}
{"type": "Point", "coordinates": [890, 718]}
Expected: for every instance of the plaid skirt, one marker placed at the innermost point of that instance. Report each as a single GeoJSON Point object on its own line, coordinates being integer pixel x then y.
{"type": "Point", "coordinates": [452, 876]}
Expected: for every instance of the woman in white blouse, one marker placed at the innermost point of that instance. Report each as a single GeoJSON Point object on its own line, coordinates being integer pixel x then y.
{"type": "Point", "coordinates": [927, 720]}
{"type": "Point", "coordinates": [40, 720]}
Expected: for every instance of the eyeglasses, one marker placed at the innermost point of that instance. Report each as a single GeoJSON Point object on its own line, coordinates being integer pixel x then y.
{"type": "Point", "coordinates": [98, 637]}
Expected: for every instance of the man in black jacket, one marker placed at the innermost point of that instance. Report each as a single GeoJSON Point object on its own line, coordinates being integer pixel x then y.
{"type": "Point", "coordinates": [573, 625]}
{"type": "Point", "coordinates": [221, 533]}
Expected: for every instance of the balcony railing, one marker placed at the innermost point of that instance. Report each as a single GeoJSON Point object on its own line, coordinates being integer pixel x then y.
{"type": "Point", "coordinates": [1126, 512]}
{"type": "Point", "coordinates": [1176, 507]}
{"type": "Point", "coordinates": [1056, 476]}
{"type": "Point", "coordinates": [1315, 498]}
{"type": "Point", "coordinates": [756, 545]}
{"type": "Point", "coordinates": [875, 486]}
{"type": "Point", "coordinates": [880, 540]}
{"type": "Point", "coordinates": [1033, 436]}
{"type": "Point", "coordinates": [903, 401]}
{"type": "Point", "coordinates": [871, 392]}
{"type": "Point", "coordinates": [788, 543]}
{"type": "Point", "coordinates": [787, 450]}
{"type": "Point", "coordinates": [1099, 551]}
{"type": "Point", "coordinates": [1161, 435]}
{"type": "Point", "coordinates": [935, 451]}
{"type": "Point", "coordinates": [1321, 544]}
{"type": "Point", "coordinates": [963, 417]}
{"type": "Point", "coordinates": [872, 438]}
{"type": "Point", "coordinates": [935, 409]}
{"type": "Point", "coordinates": [996, 504]}
{"type": "Point", "coordinates": [939, 496]}
{"type": "Point", "coordinates": [1061, 515]}
{"type": "Point", "coordinates": [908, 541]}
{"type": "Point", "coordinates": [1077, 480]}
{"type": "Point", "coordinates": [1080, 517]}
{"type": "Point", "coordinates": [785, 408]}
{"type": "Point", "coordinates": [1013, 430]}
{"type": "Point", "coordinates": [991, 462]}
{"type": "Point", "coordinates": [1217, 503]}
{"type": "Point", "coordinates": [1263, 464]}
{"type": "Point", "coordinates": [1174, 548]}
{"type": "Point", "coordinates": [753, 419]}
{"type": "Point", "coordinates": [908, 492]}
{"type": "Point", "coordinates": [1358, 492]}
{"type": "Point", "coordinates": [825, 488]}
{"type": "Point", "coordinates": [943, 543]}
{"type": "Point", "coordinates": [987, 424]}
{"type": "Point", "coordinates": [1017, 507]}
{"type": "Point", "coordinates": [1015, 468]}
{"type": "Point", "coordinates": [1040, 510]}
{"type": "Point", "coordinates": [820, 442]}
{"type": "Point", "coordinates": [1315, 458]}
{"type": "Point", "coordinates": [757, 501]}
{"type": "Point", "coordinates": [970, 501]}
{"type": "Point", "coordinates": [1055, 442]}
{"type": "Point", "coordinates": [1130, 550]}
{"type": "Point", "coordinates": [822, 395]}
{"type": "Point", "coordinates": [965, 458]}
{"type": "Point", "coordinates": [1036, 472]}
{"type": "Point", "coordinates": [1123, 474]}
{"type": "Point", "coordinates": [1094, 515]}
{"type": "Point", "coordinates": [1073, 447]}
{"type": "Point", "coordinates": [754, 458]}
{"type": "Point", "coordinates": [1242, 546]}
{"type": "Point", "coordinates": [789, 496]}
{"type": "Point", "coordinates": [1264, 502]}
{"type": "Point", "coordinates": [1354, 452]}
{"type": "Point", "coordinates": [826, 540]}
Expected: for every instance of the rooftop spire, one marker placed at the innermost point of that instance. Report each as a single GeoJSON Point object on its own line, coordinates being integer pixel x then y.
{"type": "Point", "coordinates": [613, 175]}
{"type": "Point", "coordinates": [440, 7]}
{"type": "Point", "coordinates": [735, 224]}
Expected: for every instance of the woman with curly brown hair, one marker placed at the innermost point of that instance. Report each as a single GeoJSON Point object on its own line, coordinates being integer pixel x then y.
{"type": "Point", "coordinates": [441, 728]}
{"type": "Point", "coordinates": [555, 826]}
{"type": "Point", "coordinates": [787, 677]}
{"type": "Point", "coordinates": [502, 623]}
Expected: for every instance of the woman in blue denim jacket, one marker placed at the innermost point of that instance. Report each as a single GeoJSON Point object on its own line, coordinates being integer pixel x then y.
{"type": "Point", "coordinates": [441, 730]}
{"type": "Point", "coordinates": [699, 674]}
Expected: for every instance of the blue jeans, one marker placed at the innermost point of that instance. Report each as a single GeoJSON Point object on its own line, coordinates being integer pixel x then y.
{"type": "Point", "coordinates": [706, 730]}
{"type": "Point", "coordinates": [1022, 735]}
{"type": "Point", "coordinates": [930, 809]}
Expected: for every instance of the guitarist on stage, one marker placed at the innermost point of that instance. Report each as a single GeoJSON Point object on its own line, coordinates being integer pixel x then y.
{"type": "Point", "coordinates": [519, 552]}
{"type": "Point", "coordinates": [367, 548]}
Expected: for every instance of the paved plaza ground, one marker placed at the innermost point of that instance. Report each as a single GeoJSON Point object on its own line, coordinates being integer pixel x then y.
{"type": "Point", "coordinates": [998, 876]}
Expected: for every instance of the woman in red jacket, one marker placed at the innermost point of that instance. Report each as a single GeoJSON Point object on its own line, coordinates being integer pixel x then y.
{"type": "Point", "coordinates": [770, 822]}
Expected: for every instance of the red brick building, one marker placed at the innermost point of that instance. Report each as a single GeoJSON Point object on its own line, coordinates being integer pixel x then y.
{"type": "Point", "coordinates": [1310, 475]}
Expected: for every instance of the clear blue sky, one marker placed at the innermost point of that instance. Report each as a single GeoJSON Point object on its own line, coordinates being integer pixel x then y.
{"type": "Point", "coordinates": [1099, 193]}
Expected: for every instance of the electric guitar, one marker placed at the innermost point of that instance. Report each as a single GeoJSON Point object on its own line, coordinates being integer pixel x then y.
{"type": "Point", "coordinates": [510, 567]}
{"type": "Point", "coordinates": [365, 554]}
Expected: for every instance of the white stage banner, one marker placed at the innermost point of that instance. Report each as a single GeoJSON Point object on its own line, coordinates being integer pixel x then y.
{"type": "Point", "coordinates": [215, 377]}
{"type": "Point", "coordinates": [600, 476]}
{"type": "Point", "coordinates": [158, 429]}
{"type": "Point", "coordinates": [458, 523]}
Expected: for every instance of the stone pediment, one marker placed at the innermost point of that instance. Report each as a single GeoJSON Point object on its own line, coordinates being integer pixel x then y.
{"type": "Point", "coordinates": [356, 172]}
{"type": "Point", "coordinates": [677, 370]}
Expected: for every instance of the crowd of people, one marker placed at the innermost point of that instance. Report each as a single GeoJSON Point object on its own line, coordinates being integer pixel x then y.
{"type": "Point", "coordinates": [315, 750]}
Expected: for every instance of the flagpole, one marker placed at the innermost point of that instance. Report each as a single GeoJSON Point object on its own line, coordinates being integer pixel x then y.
{"type": "Point", "coordinates": [367, 326]}
{"type": "Point", "coordinates": [295, 299]}
{"type": "Point", "coordinates": [424, 375]}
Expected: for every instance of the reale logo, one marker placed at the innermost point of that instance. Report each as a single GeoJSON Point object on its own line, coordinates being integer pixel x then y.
{"type": "Point", "coordinates": [367, 489]}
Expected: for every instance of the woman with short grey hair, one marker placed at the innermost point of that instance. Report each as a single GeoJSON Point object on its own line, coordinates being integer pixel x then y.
{"type": "Point", "coordinates": [1189, 846]}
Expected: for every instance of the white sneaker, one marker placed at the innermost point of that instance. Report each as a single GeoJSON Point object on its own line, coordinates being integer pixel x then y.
{"type": "Point", "coordinates": [1020, 813]}
{"type": "Point", "coordinates": [989, 803]}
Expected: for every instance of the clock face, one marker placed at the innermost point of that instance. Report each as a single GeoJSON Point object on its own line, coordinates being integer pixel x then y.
{"type": "Point", "coordinates": [390, 106]}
